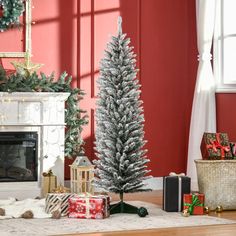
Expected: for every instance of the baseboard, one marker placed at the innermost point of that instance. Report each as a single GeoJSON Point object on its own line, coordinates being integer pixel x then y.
{"type": "Point", "coordinates": [154, 183]}
{"type": "Point", "coordinates": [20, 194]}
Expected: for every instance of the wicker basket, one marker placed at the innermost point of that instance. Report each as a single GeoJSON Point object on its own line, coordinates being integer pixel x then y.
{"type": "Point", "coordinates": [217, 180]}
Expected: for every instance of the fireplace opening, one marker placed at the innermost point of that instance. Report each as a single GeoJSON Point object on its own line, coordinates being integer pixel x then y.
{"type": "Point", "coordinates": [18, 156]}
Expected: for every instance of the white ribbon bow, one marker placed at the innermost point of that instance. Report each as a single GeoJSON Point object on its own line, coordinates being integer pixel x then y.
{"type": "Point", "coordinates": [174, 174]}
{"type": "Point", "coordinates": [205, 56]}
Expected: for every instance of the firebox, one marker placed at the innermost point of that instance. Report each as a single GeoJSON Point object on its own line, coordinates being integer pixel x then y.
{"type": "Point", "coordinates": [18, 156]}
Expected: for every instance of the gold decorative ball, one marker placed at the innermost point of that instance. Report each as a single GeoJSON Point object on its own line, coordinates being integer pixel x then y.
{"type": "Point", "coordinates": [185, 213]}
{"type": "Point", "coordinates": [219, 209]}
{"type": "Point", "coordinates": [207, 209]}
{"type": "Point", "coordinates": [28, 215]}
{"type": "Point", "coordinates": [56, 214]}
{"type": "Point", "coordinates": [2, 212]}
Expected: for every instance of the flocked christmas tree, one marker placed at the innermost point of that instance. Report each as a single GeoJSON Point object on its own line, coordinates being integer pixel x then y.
{"type": "Point", "coordinates": [121, 165]}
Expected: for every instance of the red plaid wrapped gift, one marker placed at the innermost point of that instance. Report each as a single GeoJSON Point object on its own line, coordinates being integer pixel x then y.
{"type": "Point", "coordinates": [89, 207]}
{"type": "Point", "coordinates": [215, 146]}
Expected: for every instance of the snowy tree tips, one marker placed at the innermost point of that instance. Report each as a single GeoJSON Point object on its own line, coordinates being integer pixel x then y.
{"type": "Point", "coordinates": [119, 21]}
{"type": "Point", "coordinates": [121, 164]}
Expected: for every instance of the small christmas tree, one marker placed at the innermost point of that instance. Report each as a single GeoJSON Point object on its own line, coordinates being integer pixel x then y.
{"type": "Point", "coordinates": [121, 164]}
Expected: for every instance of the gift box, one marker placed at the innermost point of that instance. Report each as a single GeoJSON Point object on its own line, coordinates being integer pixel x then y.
{"type": "Point", "coordinates": [49, 182]}
{"type": "Point", "coordinates": [89, 207]}
{"type": "Point", "coordinates": [215, 146]}
{"type": "Point", "coordinates": [57, 201]}
{"type": "Point", "coordinates": [194, 203]}
{"type": "Point", "coordinates": [174, 187]}
{"type": "Point", "coordinates": [233, 149]}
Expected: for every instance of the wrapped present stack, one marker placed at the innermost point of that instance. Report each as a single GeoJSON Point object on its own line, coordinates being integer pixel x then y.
{"type": "Point", "coordinates": [79, 201]}
{"type": "Point", "coordinates": [177, 196]}
{"type": "Point", "coordinates": [84, 206]}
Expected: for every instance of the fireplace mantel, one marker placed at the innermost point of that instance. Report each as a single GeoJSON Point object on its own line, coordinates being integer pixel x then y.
{"type": "Point", "coordinates": [34, 96]}
{"type": "Point", "coordinates": [39, 112]}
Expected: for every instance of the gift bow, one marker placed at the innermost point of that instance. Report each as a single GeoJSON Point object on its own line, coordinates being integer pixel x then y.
{"type": "Point", "coordinates": [48, 174]}
{"type": "Point", "coordinates": [174, 174]}
{"type": "Point", "coordinates": [87, 194]}
{"type": "Point", "coordinates": [195, 202]}
{"type": "Point", "coordinates": [216, 145]}
{"type": "Point", "coordinates": [61, 189]}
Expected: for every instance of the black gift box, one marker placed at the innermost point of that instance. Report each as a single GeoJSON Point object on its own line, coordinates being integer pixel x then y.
{"type": "Point", "coordinates": [233, 149]}
{"type": "Point", "coordinates": [174, 187]}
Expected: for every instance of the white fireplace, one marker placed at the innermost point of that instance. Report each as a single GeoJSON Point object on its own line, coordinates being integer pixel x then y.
{"type": "Point", "coordinates": [43, 114]}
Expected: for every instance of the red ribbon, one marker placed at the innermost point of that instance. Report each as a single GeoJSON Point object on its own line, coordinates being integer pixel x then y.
{"type": "Point", "coordinates": [216, 145]}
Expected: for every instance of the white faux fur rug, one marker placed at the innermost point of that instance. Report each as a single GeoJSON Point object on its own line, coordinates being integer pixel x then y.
{"type": "Point", "coordinates": [157, 218]}
{"type": "Point", "coordinates": [14, 209]}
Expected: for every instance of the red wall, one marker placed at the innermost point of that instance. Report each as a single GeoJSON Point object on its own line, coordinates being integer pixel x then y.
{"type": "Point", "coordinates": [226, 114]}
{"type": "Point", "coordinates": [71, 35]}
{"type": "Point", "coordinates": [168, 55]}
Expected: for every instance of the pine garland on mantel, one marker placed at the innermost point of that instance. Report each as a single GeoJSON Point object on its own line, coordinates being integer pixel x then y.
{"type": "Point", "coordinates": [74, 117]}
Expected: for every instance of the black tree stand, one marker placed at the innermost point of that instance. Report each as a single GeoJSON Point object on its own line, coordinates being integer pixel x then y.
{"type": "Point", "coordinates": [122, 207]}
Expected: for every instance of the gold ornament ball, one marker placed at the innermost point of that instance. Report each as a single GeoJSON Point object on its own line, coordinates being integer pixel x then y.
{"type": "Point", "coordinates": [207, 209]}
{"type": "Point", "coordinates": [56, 214]}
{"type": "Point", "coordinates": [2, 212]}
{"type": "Point", "coordinates": [185, 213]}
{"type": "Point", "coordinates": [219, 209]}
{"type": "Point", "coordinates": [28, 215]}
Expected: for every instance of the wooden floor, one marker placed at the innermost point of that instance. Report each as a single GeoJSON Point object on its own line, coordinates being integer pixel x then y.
{"type": "Point", "coordinates": [156, 198]}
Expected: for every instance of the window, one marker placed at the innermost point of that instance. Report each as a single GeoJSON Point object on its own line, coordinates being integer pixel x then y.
{"type": "Point", "coordinates": [225, 46]}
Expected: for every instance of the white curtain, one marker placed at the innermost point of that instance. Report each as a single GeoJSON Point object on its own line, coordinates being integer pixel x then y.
{"type": "Point", "coordinates": [203, 116]}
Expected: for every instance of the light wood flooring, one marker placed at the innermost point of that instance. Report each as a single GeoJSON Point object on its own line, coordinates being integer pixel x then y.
{"type": "Point", "coordinates": [156, 198]}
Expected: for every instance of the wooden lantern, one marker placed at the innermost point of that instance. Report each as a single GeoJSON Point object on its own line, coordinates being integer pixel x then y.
{"type": "Point", "coordinates": [81, 176]}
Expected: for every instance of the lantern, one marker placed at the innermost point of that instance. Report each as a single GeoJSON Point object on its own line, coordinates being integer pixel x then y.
{"type": "Point", "coordinates": [81, 175]}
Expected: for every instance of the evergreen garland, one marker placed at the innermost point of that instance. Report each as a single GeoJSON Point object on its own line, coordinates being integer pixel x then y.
{"type": "Point", "coordinates": [42, 83]}
{"type": "Point", "coordinates": [12, 10]}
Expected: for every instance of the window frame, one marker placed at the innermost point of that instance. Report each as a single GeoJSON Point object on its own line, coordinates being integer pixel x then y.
{"type": "Point", "coordinates": [218, 52]}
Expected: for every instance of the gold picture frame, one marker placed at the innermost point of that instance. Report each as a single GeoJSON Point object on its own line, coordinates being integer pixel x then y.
{"type": "Point", "coordinates": [28, 48]}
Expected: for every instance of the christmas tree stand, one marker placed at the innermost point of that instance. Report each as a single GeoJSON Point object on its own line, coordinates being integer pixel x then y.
{"type": "Point", "coordinates": [122, 207]}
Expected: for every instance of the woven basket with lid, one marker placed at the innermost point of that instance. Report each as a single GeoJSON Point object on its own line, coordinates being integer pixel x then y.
{"type": "Point", "coordinates": [217, 180]}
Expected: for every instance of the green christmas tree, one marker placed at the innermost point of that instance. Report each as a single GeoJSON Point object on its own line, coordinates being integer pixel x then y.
{"type": "Point", "coordinates": [121, 164]}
